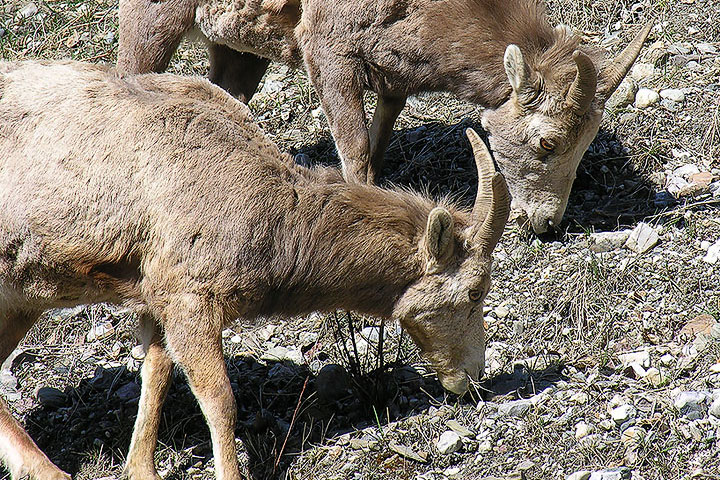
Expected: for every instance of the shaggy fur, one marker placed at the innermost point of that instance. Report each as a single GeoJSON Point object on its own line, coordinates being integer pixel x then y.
{"type": "Point", "coordinates": [159, 192]}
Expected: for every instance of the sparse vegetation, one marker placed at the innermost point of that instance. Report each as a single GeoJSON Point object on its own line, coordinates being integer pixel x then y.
{"type": "Point", "coordinates": [559, 314]}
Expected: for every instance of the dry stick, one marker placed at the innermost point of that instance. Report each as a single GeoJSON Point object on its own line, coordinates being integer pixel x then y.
{"type": "Point", "coordinates": [292, 423]}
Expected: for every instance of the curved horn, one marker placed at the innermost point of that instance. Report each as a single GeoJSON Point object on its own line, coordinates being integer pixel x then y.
{"type": "Point", "coordinates": [518, 75]}
{"type": "Point", "coordinates": [583, 89]}
{"type": "Point", "coordinates": [486, 170]}
{"type": "Point", "coordinates": [487, 236]}
{"type": "Point", "coordinates": [613, 74]}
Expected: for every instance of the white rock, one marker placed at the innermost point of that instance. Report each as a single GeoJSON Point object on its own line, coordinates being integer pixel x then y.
{"type": "Point", "coordinates": [638, 370]}
{"type": "Point", "coordinates": [100, 332]}
{"type": "Point", "coordinates": [624, 95]}
{"type": "Point", "coordinates": [643, 238]}
{"type": "Point", "coordinates": [623, 413]}
{"type": "Point", "coordinates": [646, 97]}
{"type": "Point", "coordinates": [619, 473]}
{"type": "Point", "coordinates": [485, 446]}
{"type": "Point", "coordinates": [516, 408]}
{"type": "Point", "coordinates": [706, 48]}
{"type": "Point", "coordinates": [713, 253]}
{"type": "Point", "coordinates": [686, 170]}
{"type": "Point", "coordinates": [633, 435]}
{"type": "Point", "coordinates": [641, 357]}
{"type": "Point", "coordinates": [582, 430]}
{"type": "Point", "coordinates": [715, 408]}
{"type": "Point", "coordinates": [138, 352]}
{"type": "Point", "coordinates": [280, 353]}
{"type": "Point", "coordinates": [642, 71]}
{"type": "Point", "coordinates": [449, 442]}
{"type": "Point", "coordinates": [579, 475]}
{"type": "Point", "coordinates": [673, 94]}
{"type": "Point", "coordinates": [667, 360]}
{"type": "Point", "coordinates": [687, 402]}
{"type": "Point", "coordinates": [607, 241]}
{"type": "Point", "coordinates": [581, 398]}
{"type": "Point", "coordinates": [501, 311]}
{"type": "Point", "coordinates": [28, 10]}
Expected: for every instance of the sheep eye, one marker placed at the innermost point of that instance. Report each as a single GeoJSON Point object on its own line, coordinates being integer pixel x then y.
{"type": "Point", "coordinates": [547, 146]}
{"type": "Point", "coordinates": [475, 295]}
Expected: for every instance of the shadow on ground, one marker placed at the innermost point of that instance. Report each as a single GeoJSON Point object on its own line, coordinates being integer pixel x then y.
{"type": "Point", "coordinates": [610, 191]}
{"type": "Point", "coordinates": [96, 417]}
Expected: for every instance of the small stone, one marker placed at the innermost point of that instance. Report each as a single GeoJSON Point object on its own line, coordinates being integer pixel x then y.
{"type": "Point", "coordinates": [706, 48]}
{"type": "Point", "coordinates": [138, 352]}
{"type": "Point", "coordinates": [516, 408]}
{"type": "Point", "coordinates": [715, 408]}
{"type": "Point", "coordinates": [501, 311]}
{"type": "Point", "coordinates": [642, 71]}
{"type": "Point", "coordinates": [667, 360]}
{"type": "Point", "coordinates": [449, 442]}
{"type": "Point", "coordinates": [582, 430]}
{"type": "Point", "coordinates": [624, 95]}
{"type": "Point", "coordinates": [365, 443]}
{"type": "Point", "coordinates": [485, 446]}
{"type": "Point", "coordinates": [641, 357]}
{"type": "Point", "coordinates": [28, 10]}
{"type": "Point", "coordinates": [51, 397]}
{"type": "Point", "coordinates": [607, 241]}
{"type": "Point", "coordinates": [673, 94]}
{"type": "Point", "coordinates": [646, 97]}
{"type": "Point", "coordinates": [109, 38]}
{"type": "Point", "coordinates": [281, 354]}
{"type": "Point", "coordinates": [700, 324]}
{"type": "Point", "coordinates": [227, 333]}
{"type": "Point", "coordinates": [686, 170]}
{"type": "Point", "coordinates": [408, 452]}
{"type": "Point", "coordinates": [690, 404]}
{"type": "Point", "coordinates": [643, 238]}
{"type": "Point", "coordinates": [579, 475]}
{"type": "Point", "coordinates": [713, 253]}
{"type": "Point", "coordinates": [623, 413]}
{"type": "Point", "coordinates": [128, 392]}
{"type": "Point", "coordinates": [703, 179]}
{"type": "Point", "coordinates": [619, 473]}
{"type": "Point", "coordinates": [236, 339]}
{"type": "Point", "coordinates": [458, 428]}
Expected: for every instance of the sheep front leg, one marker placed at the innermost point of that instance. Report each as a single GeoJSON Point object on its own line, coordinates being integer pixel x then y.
{"type": "Point", "coordinates": [17, 449]}
{"type": "Point", "coordinates": [193, 340]}
{"type": "Point", "coordinates": [341, 96]}
{"type": "Point", "coordinates": [150, 32]}
{"type": "Point", "coordinates": [156, 373]}
{"type": "Point", "coordinates": [386, 112]}
{"type": "Point", "coordinates": [238, 73]}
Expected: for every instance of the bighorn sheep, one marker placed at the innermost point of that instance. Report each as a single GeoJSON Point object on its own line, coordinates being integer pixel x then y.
{"type": "Point", "coordinates": [158, 192]}
{"type": "Point", "coordinates": [544, 92]}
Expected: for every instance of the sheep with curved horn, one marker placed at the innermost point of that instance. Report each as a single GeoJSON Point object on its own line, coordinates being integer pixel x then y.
{"type": "Point", "coordinates": [160, 193]}
{"type": "Point", "coordinates": [536, 82]}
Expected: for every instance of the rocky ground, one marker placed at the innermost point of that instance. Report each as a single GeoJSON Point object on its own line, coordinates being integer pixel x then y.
{"type": "Point", "coordinates": [603, 357]}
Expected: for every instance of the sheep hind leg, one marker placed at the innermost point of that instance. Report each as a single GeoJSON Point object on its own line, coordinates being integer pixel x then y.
{"type": "Point", "coordinates": [239, 73]}
{"type": "Point", "coordinates": [156, 374]}
{"type": "Point", "coordinates": [150, 32]}
{"type": "Point", "coordinates": [17, 449]}
{"type": "Point", "coordinates": [386, 112]}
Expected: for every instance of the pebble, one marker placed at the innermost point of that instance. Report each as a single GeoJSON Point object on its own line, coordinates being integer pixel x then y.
{"type": "Point", "coordinates": [579, 475]}
{"type": "Point", "coordinates": [673, 94]}
{"type": "Point", "coordinates": [460, 429]}
{"type": "Point", "coordinates": [641, 357]}
{"type": "Point", "coordinates": [51, 397]}
{"type": "Point", "coordinates": [646, 97]}
{"type": "Point", "coordinates": [138, 352]}
{"type": "Point", "coordinates": [128, 392]}
{"type": "Point", "coordinates": [582, 430]}
{"type": "Point", "coordinates": [643, 238]}
{"type": "Point", "coordinates": [619, 473]}
{"type": "Point", "coordinates": [633, 435]}
{"type": "Point", "coordinates": [642, 71]}
{"type": "Point", "coordinates": [501, 312]}
{"type": "Point", "coordinates": [607, 241]}
{"type": "Point", "coordinates": [690, 404]}
{"type": "Point", "coordinates": [623, 413]}
{"type": "Point", "coordinates": [581, 398]}
{"type": "Point", "coordinates": [28, 10]}
{"type": "Point", "coordinates": [715, 408]}
{"type": "Point", "coordinates": [713, 253]}
{"type": "Point", "coordinates": [656, 378]}
{"type": "Point", "coordinates": [516, 408]}
{"type": "Point", "coordinates": [624, 95]}
{"type": "Point", "coordinates": [449, 442]}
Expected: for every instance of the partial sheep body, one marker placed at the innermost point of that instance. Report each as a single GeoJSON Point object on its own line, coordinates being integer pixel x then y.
{"type": "Point", "coordinates": [544, 91]}
{"type": "Point", "coordinates": [158, 192]}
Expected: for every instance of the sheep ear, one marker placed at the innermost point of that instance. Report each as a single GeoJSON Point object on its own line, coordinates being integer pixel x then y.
{"type": "Point", "coordinates": [439, 234]}
{"type": "Point", "coordinates": [518, 75]}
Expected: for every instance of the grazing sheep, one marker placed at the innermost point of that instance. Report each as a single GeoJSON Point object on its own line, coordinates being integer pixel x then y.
{"type": "Point", "coordinates": [158, 192]}
{"type": "Point", "coordinates": [543, 90]}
